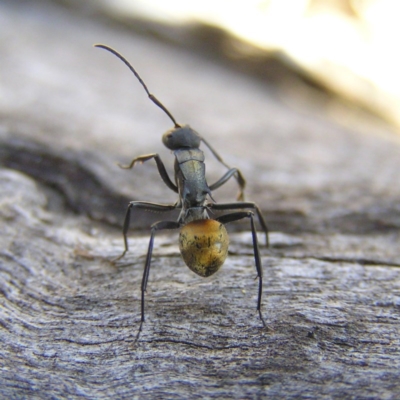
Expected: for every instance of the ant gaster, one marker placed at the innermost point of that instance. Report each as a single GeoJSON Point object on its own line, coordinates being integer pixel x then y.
{"type": "Point", "coordinates": [203, 241]}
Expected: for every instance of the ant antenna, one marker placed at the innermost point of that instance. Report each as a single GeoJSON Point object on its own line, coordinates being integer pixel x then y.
{"type": "Point", "coordinates": [151, 96]}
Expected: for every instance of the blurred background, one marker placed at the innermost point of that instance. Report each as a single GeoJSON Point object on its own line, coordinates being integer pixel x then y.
{"type": "Point", "coordinates": [301, 95]}
{"type": "Point", "coordinates": [344, 48]}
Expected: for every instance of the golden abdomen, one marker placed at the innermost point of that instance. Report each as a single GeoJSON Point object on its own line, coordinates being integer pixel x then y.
{"type": "Point", "coordinates": [204, 246]}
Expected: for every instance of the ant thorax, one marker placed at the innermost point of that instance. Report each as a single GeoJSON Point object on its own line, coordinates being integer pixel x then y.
{"type": "Point", "coordinates": [190, 179]}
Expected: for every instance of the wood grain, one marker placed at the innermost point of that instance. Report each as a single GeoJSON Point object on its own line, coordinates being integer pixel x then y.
{"type": "Point", "coordinates": [69, 317]}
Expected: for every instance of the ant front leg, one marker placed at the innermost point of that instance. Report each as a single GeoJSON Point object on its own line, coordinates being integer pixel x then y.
{"type": "Point", "coordinates": [226, 177]}
{"type": "Point", "coordinates": [154, 228]}
{"type": "Point", "coordinates": [141, 205]}
{"type": "Point", "coordinates": [236, 216]}
{"type": "Point", "coordinates": [243, 205]}
{"type": "Point", "coordinates": [160, 166]}
{"type": "Point", "coordinates": [232, 171]}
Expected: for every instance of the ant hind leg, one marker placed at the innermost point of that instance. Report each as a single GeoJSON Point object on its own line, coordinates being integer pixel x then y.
{"type": "Point", "coordinates": [236, 216]}
{"type": "Point", "coordinates": [161, 225]}
{"type": "Point", "coordinates": [141, 205]}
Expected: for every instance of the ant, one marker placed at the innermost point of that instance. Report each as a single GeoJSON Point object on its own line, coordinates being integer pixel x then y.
{"type": "Point", "coordinates": [203, 241]}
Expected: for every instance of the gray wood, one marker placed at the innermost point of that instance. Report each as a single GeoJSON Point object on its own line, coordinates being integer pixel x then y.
{"type": "Point", "coordinates": [69, 317]}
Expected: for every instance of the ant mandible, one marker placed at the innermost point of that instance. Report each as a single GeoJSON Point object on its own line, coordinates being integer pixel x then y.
{"type": "Point", "coordinates": [203, 241]}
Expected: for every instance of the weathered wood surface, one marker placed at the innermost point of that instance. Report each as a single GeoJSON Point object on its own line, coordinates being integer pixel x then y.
{"type": "Point", "coordinates": [68, 317]}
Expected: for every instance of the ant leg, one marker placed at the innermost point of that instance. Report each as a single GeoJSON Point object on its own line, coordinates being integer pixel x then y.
{"type": "Point", "coordinates": [142, 205]}
{"type": "Point", "coordinates": [237, 173]}
{"type": "Point", "coordinates": [228, 175]}
{"type": "Point", "coordinates": [235, 217]}
{"type": "Point", "coordinates": [154, 228]}
{"type": "Point", "coordinates": [241, 205]}
{"type": "Point", "coordinates": [160, 166]}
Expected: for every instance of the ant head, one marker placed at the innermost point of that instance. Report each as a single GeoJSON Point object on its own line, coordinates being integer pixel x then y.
{"type": "Point", "coordinates": [181, 137]}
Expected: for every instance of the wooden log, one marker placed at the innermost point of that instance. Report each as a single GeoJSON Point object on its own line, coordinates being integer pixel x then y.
{"type": "Point", "coordinates": [69, 317]}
